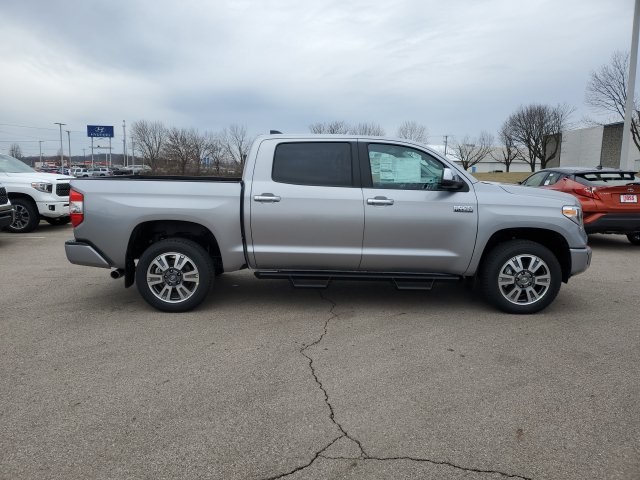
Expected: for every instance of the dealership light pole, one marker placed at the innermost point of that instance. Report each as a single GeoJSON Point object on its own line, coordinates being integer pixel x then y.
{"type": "Point", "coordinates": [625, 161]}
{"type": "Point", "coordinates": [61, 146]}
{"type": "Point", "coordinates": [124, 144]}
{"type": "Point", "coordinates": [69, 138]}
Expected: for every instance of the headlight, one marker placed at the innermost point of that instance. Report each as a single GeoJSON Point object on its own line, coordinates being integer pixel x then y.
{"type": "Point", "coordinates": [45, 187]}
{"type": "Point", "coordinates": [573, 213]}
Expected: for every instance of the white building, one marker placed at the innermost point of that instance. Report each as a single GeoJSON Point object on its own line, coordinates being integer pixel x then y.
{"type": "Point", "coordinates": [488, 164]}
{"type": "Point", "coordinates": [590, 147]}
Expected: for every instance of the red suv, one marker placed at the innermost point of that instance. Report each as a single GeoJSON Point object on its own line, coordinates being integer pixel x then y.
{"type": "Point", "coordinates": [609, 196]}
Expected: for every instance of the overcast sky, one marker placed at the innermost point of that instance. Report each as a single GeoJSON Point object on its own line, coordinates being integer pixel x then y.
{"type": "Point", "coordinates": [455, 66]}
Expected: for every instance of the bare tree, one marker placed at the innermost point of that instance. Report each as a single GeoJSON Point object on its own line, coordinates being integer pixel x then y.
{"type": "Point", "coordinates": [607, 91]}
{"type": "Point", "coordinates": [15, 151]}
{"type": "Point", "coordinates": [538, 128]}
{"type": "Point", "coordinates": [179, 149]}
{"type": "Point", "coordinates": [215, 152]}
{"type": "Point", "coordinates": [509, 151]}
{"type": "Point", "coordinates": [369, 129]}
{"type": "Point", "coordinates": [471, 151]}
{"type": "Point", "coordinates": [199, 150]}
{"type": "Point", "coordinates": [412, 130]}
{"type": "Point", "coordinates": [150, 138]}
{"type": "Point", "coordinates": [236, 144]}
{"type": "Point", "coordinates": [337, 127]}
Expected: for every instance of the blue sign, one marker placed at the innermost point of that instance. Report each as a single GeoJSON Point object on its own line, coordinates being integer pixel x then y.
{"type": "Point", "coordinates": [99, 131]}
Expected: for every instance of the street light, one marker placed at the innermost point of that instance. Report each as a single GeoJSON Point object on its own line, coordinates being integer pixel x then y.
{"type": "Point", "coordinates": [61, 147]}
{"type": "Point", "coordinates": [69, 138]}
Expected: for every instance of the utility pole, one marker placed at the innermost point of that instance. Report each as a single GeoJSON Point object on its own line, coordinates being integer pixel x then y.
{"type": "Point", "coordinates": [446, 138]}
{"type": "Point", "coordinates": [124, 144]}
{"type": "Point", "coordinates": [625, 161]}
{"type": "Point", "coordinates": [40, 142]}
{"type": "Point", "coordinates": [69, 138]}
{"type": "Point", "coordinates": [61, 146]}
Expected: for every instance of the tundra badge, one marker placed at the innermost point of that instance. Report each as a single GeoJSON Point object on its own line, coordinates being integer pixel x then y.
{"type": "Point", "coordinates": [463, 208]}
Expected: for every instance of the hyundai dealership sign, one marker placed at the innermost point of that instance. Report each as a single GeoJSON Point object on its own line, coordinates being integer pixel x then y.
{"type": "Point", "coordinates": [99, 131]}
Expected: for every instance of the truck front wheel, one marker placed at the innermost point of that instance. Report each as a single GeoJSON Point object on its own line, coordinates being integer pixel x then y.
{"type": "Point", "coordinates": [27, 217]}
{"type": "Point", "coordinates": [174, 275]}
{"type": "Point", "coordinates": [521, 277]}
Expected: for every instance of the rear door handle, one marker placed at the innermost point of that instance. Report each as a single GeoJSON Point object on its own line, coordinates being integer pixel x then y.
{"type": "Point", "coordinates": [266, 198]}
{"type": "Point", "coordinates": [379, 201]}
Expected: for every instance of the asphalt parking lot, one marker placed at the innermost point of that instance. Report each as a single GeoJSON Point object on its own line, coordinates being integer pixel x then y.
{"type": "Point", "coordinates": [358, 381]}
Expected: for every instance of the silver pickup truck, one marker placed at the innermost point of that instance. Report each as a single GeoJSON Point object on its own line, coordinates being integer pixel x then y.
{"type": "Point", "coordinates": [316, 208]}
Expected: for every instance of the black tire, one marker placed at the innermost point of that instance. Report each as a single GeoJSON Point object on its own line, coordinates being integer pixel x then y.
{"type": "Point", "coordinates": [58, 220]}
{"type": "Point", "coordinates": [174, 275]}
{"type": "Point", "coordinates": [27, 217]}
{"type": "Point", "coordinates": [520, 276]}
{"type": "Point", "coordinates": [634, 238]}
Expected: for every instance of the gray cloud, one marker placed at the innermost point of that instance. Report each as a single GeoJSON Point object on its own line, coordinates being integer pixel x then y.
{"type": "Point", "coordinates": [457, 67]}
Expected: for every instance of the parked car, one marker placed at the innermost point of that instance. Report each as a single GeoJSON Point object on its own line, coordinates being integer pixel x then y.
{"type": "Point", "coordinates": [99, 172]}
{"type": "Point", "coordinates": [34, 195]}
{"type": "Point", "coordinates": [609, 196]}
{"type": "Point", "coordinates": [133, 170]}
{"type": "Point", "coordinates": [79, 172]}
{"type": "Point", "coordinates": [6, 209]}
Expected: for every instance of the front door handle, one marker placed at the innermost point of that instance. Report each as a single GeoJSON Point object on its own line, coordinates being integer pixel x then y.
{"type": "Point", "coordinates": [379, 201]}
{"type": "Point", "coordinates": [266, 198]}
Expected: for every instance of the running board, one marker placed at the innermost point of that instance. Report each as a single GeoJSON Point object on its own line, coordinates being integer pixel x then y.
{"type": "Point", "coordinates": [322, 278]}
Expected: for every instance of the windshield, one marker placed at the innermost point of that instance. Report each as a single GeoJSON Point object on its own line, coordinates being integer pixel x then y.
{"type": "Point", "coordinates": [13, 165]}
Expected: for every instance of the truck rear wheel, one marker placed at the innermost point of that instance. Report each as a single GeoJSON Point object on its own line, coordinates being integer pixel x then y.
{"type": "Point", "coordinates": [27, 217]}
{"type": "Point", "coordinates": [174, 275]}
{"type": "Point", "coordinates": [521, 277]}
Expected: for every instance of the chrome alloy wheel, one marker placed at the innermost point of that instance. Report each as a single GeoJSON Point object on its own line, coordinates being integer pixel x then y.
{"type": "Point", "coordinates": [173, 277]}
{"type": "Point", "coordinates": [524, 279]}
{"type": "Point", "coordinates": [22, 217]}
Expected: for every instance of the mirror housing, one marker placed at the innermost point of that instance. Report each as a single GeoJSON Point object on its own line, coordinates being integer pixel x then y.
{"type": "Point", "coordinates": [451, 182]}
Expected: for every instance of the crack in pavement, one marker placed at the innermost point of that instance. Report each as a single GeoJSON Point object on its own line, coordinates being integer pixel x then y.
{"type": "Point", "coordinates": [364, 456]}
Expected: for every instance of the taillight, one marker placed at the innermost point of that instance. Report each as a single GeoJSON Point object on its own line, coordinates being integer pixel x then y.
{"type": "Point", "coordinates": [76, 207]}
{"type": "Point", "coordinates": [587, 192]}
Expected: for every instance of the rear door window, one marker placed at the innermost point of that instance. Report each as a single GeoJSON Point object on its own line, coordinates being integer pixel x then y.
{"type": "Point", "coordinates": [553, 178]}
{"type": "Point", "coordinates": [314, 163]}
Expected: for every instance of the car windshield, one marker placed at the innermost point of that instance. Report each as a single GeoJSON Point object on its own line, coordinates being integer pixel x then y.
{"type": "Point", "coordinates": [13, 165]}
{"type": "Point", "coordinates": [609, 179]}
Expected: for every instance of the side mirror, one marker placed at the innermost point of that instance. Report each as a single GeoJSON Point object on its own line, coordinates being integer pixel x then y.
{"type": "Point", "coordinates": [451, 182]}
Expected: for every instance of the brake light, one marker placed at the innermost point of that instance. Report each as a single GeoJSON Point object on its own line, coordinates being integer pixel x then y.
{"type": "Point", "coordinates": [76, 207]}
{"type": "Point", "coordinates": [590, 192]}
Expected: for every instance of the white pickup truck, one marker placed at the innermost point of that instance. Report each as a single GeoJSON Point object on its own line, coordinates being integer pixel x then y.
{"type": "Point", "coordinates": [34, 195]}
{"type": "Point", "coordinates": [317, 208]}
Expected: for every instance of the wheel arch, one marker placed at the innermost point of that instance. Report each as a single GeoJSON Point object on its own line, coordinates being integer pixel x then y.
{"type": "Point", "coordinates": [552, 240]}
{"type": "Point", "coordinates": [148, 233]}
{"type": "Point", "coordinates": [14, 195]}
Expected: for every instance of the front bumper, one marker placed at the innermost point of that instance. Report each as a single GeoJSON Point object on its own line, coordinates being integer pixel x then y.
{"type": "Point", "coordinates": [7, 216]}
{"type": "Point", "coordinates": [53, 209]}
{"type": "Point", "coordinates": [81, 253]}
{"type": "Point", "coordinates": [580, 260]}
